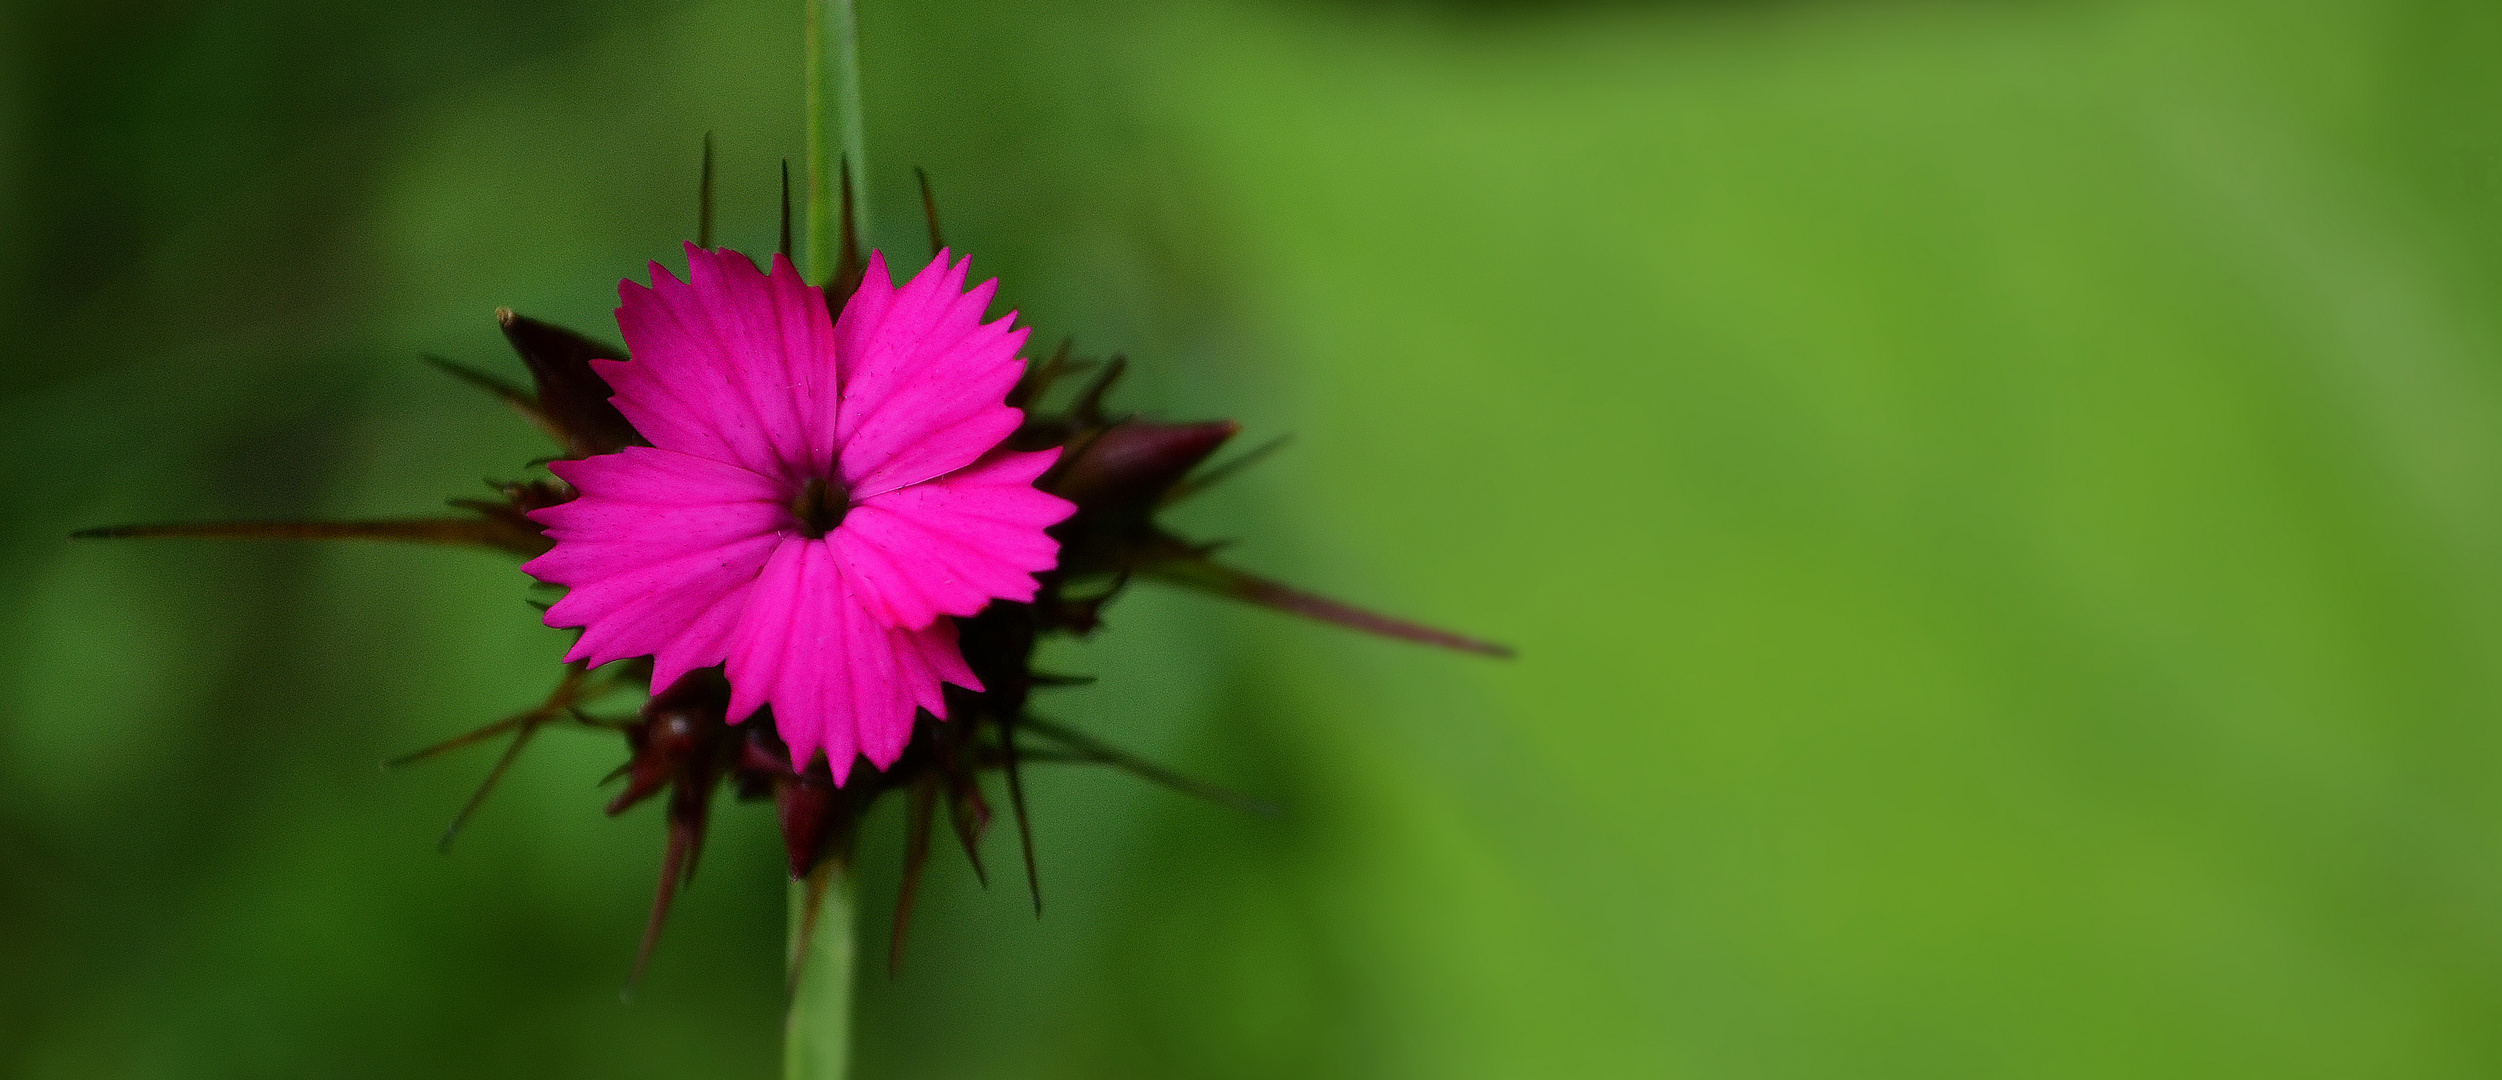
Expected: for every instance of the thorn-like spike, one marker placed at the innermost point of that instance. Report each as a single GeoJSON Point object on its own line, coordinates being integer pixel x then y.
{"type": "Point", "coordinates": [572, 395]}
{"type": "Point", "coordinates": [929, 209]}
{"type": "Point", "coordinates": [643, 780]}
{"type": "Point", "coordinates": [458, 742]}
{"type": "Point", "coordinates": [786, 208]}
{"type": "Point", "coordinates": [849, 265]}
{"type": "Point", "coordinates": [819, 879]}
{"type": "Point", "coordinates": [1089, 748]}
{"type": "Point", "coordinates": [522, 401]}
{"type": "Point", "coordinates": [969, 815]}
{"type": "Point", "coordinates": [588, 720]}
{"type": "Point", "coordinates": [1083, 615]}
{"type": "Point", "coordinates": [916, 858]}
{"type": "Point", "coordinates": [1193, 571]}
{"type": "Point", "coordinates": [1089, 405]}
{"type": "Point", "coordinates": [1016, 803]}
{"type": "Point", "coordinates": [673, 870]}
{"type": "Point", "coordinates": [568, 690]}
{"type": "Point", "coordinates": [1038, 378]}
{"type": "Point", "coordinates": [691, 804]}
{"type": "Point", "coordinates": [703, 199]}
{"type": "Point", "coordinates": [529, 726]}
{"type": "Point", "coordinates": [1219, 474]}
{"type": "Point", "coordinates": [478, 532]}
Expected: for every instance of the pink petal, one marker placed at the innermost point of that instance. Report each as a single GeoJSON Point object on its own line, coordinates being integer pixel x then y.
{"type": "Point", "coordinates": [949, 546]}
{"type": "Point", "coordinates": [659, 551]}
{"type": "Point", "coordinates": [730, 364]}
{"type": "Point", "coordinates": [924, 378]}
{"type": "Point", "coordinates": [838, 680]}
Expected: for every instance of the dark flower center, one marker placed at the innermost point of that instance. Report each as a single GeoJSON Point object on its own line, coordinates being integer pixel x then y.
{"type": "Point", "coordinates": [820, 507]}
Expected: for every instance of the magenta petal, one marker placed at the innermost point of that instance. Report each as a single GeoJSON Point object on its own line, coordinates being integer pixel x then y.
{"type": "Point", "coordinates": [730, 364]}
{"type": "Point", "coordinates": [924, 378]}
{"type": "Point", "coordinates": [949, 546]}
{"type": "Point", "coordinates": [839, 681]}
{"type": "Point", "coordinates": [691, 550]}
{"type": "Point", "coordinates": [924, 658]}
{"type": "Point", "coordinates": [677, 612]}
{"type": "Point", "coordinates": [664, 578]}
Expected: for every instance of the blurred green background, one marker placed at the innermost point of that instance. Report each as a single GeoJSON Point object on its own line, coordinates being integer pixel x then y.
{"type": "Point", "coordinates": [2000, 504]}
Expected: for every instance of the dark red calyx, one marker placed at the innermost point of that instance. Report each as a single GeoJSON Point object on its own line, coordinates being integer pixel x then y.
{"type": "Point", "coordinates": [1132, 463]}
{"type": "Point", "coordinates": [516, 532]}
{"type": "Point", "coordinates": [814, 812]}
{"type": "Point", "coordinates": [681, 737]}
{"type": "Point", "coordinates": [572, 397]}
{"type": "Point", "coordinates": [1117, 477]}
{"type": "Point", "coordinates": [807, 804]}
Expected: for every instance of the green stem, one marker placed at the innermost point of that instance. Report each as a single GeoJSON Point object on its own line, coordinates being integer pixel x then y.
{"type": "Point", "coordinates": [834, 120]}
{"type": "Point", "coordinates": [816, 1035]}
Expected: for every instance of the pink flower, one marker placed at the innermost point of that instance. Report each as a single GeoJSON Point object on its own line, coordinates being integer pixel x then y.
{"type": "Point", "coordinates": [816, 496]}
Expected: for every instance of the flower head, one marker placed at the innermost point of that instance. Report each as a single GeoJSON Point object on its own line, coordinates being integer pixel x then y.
{"type": "Point", "coordinates": [818, 497]}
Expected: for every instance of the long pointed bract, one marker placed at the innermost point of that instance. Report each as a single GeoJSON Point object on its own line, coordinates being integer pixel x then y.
{"type": "Point", "coordinates": [1016, 803]}
{"type": "Point", "coordinates": [1088, 748]}
{"type": "Point", "coordinates": [1207, 576]}
{"type": "Point", "coordinates": [475, 532]}
{"type": "Point", "coordinates": [929, 209]}
{"type": "Point", "coordinates": [522, 401]}
{"type": "Point", "coordinates": [504, 763]}
{"type": "Point", "coordinates": [684, 840]}
{"type": "Point", "coordinates": [703, 198]}
{"type": "Point", "coordinates": [916, 859]}
{"type": "Point", "coordinates": [1193, 485]}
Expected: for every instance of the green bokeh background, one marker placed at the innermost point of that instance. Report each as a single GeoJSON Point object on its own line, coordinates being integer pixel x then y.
{"type": "Point", "coordinates": [2000, 505]}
